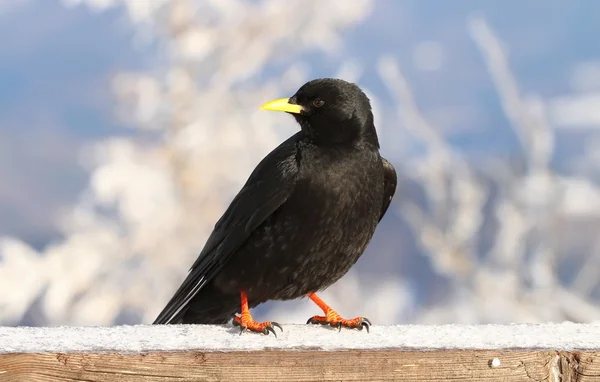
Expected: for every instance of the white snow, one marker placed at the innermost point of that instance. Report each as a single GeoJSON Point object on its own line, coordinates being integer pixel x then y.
{"type": "Point", "coordinates": [145, 338]}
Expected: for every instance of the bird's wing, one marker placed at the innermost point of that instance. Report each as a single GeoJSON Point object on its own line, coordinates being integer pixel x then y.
{"type": "Point", "coordinates": [267, 188]}
{"type": "Point", "coordinates": [389, 185]}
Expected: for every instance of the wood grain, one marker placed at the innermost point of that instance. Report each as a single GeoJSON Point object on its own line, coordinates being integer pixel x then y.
{"type": "Point", "coordinates": [303, 365]}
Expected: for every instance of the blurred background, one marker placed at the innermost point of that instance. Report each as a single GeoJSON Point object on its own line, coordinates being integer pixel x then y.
{"type": "Point", "coordinates": [127, 126]}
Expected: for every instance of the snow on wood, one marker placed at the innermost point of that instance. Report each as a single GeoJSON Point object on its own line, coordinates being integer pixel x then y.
{"type": "Point", "coordinates": [145, 338]}
{"type": "Point", "coordinates": [487, 353]}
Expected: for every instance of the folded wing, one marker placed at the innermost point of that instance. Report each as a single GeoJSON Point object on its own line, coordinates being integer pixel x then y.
{"type": "Point", "coordinates": [389, 185]}
{"type": "Point", "coordinates": [267, 188]}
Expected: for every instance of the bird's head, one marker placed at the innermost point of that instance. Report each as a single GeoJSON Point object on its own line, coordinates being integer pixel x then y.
{"type": "Point", "coordinates": [330, 110]}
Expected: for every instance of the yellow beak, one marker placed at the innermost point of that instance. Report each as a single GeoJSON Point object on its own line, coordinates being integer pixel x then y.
{"type": "Point", "coordinates": [282, 105]}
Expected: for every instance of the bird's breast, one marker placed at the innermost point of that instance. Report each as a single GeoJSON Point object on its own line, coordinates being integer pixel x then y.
{"type": "Point", "coordinates": [338, 182]}
{"type": "Point", "coordinates": [331, 217]}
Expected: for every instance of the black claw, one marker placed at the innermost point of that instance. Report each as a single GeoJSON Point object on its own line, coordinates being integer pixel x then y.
{"type": "Point", "coordinates": [268, 329]}
{"type": "Point", "coordinates": [364, 324]}
{"type": "Point", "coordinates": [365, 319]}
{"type": "Point", "coordinates": [310, 321]}
{"type": "Point", "coordinates": [275, 324]}
{"type": "Point", "coordinates": [243, 329]}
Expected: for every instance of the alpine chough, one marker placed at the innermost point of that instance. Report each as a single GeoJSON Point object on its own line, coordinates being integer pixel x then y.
{"type": "Point", "coordinates": [302, 219]}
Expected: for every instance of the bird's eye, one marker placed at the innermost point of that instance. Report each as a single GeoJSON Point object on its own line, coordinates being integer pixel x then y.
{"type": "Point", "coordinates": [318, 102]}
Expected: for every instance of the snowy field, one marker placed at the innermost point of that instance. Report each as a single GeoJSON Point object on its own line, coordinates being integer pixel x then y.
{"type": "Point", "coordinates": [144, 338]}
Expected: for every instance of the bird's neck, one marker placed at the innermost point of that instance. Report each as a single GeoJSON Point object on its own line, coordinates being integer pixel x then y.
{"type": "Point", "coordinates": [355, 132]}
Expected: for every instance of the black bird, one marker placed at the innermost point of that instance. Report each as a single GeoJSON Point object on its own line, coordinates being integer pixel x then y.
{"type": "Point", "coordinates": [301, 221]}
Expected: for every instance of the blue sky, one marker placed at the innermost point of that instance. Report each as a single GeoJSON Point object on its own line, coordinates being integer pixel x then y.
{"type": "Point", "coordinates": [56, 64]}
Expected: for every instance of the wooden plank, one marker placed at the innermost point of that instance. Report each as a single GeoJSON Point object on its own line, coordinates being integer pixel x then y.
{"type": "Point", "coordinates": [305, 365]}
{"type": "Point", "coordinates": [547, 352]}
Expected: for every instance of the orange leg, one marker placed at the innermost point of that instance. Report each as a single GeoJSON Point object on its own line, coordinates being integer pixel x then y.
{"type": "Point", "coordinates": [246, 322]}
{"type": "Point", "coordinates": [332, 318]}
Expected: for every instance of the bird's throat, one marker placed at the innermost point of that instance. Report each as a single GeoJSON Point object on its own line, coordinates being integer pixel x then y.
{"type": "Point", "coordinates": [324, 134]}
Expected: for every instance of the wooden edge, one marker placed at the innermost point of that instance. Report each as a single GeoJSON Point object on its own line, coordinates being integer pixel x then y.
{"type": "Point", "coordinates": [305, 365]}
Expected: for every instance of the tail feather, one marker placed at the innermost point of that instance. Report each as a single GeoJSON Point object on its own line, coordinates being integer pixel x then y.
{"type": "Point", "coordinates": [216, 310]}
{"type": "Point", "coordinates": [209, 306]}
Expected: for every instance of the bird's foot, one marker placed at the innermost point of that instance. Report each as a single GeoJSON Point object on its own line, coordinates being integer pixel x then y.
{"type": "Point", "coordinates": [245, 322]}
{"type": "Point", "coordinates": [333, 319]}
